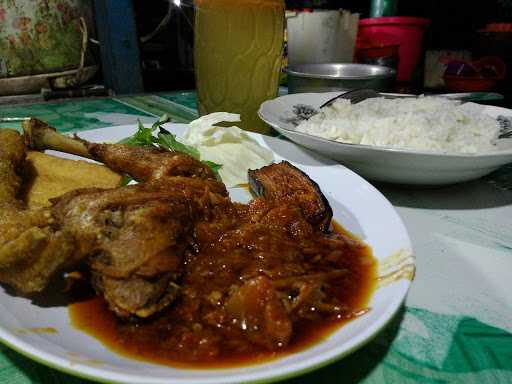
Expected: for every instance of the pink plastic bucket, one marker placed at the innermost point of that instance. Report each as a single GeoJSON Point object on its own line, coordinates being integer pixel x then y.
{"type": "Point", "coordinates": [405, 31]}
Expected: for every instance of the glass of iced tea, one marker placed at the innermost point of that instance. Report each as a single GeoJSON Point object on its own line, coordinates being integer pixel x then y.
{"type": "Point", "coordinates": [238, 47]}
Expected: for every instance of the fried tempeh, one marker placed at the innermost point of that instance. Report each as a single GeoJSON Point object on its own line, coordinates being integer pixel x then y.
{"type": "Point", "coordinates": [47, 177]}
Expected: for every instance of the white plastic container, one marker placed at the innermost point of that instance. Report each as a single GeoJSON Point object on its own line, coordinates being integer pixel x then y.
{"type": "Point", "coordinates": [321, 36]}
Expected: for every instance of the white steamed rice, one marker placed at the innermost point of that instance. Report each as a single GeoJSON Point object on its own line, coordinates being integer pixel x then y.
{"type": "Point", "coordinates": [425, 123]}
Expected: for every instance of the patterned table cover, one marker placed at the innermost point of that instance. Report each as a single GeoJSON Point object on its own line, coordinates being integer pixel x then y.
{"type": "Point", "coordinates": [456, 326]}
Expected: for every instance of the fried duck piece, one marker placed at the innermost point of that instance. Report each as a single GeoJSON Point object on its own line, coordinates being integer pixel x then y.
{"type": "Point", "coordinates": [133, 238]}
{"type": "Point", "coordinates": [30, 247]}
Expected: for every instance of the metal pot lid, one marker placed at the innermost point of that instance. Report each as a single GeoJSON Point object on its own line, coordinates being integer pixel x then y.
{"type": "Point", "coordinates": [341, 71]}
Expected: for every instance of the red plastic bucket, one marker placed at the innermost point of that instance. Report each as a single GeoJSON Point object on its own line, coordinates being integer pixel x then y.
{"type": "Point", "coordinates": [405, 31]}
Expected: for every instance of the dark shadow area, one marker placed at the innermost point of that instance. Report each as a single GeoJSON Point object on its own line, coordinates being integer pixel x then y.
{"type": "Point", "coordinates": [166, 53]}
{"type": "Point", "coordinates": [60, 292]}
{"type": "Point", "coordinates": [494, 190]}
{"type": "Point", "coordinates": [29, 173]}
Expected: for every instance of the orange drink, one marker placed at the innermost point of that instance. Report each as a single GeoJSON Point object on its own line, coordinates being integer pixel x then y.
{"type": "Point", "coordinates": [238, 47]}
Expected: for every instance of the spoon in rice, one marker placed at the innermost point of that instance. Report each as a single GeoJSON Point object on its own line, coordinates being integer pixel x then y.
{"type": "Point", "coordinates": [357, 95]}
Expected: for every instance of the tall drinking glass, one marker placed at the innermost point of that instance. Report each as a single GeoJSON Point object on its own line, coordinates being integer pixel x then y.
{"type": "Point", "coordinates": [238, 47]}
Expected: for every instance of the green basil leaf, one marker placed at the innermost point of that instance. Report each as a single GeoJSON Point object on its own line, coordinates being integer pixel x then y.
{"type": "Point", "coordinates": [162, 120]}
{"type": "Point", "coordinates": [168, 141]}
{"type": "Point", "coordinates": [144, 138]}
{"type": "Point", "coordinates": [214, 166]}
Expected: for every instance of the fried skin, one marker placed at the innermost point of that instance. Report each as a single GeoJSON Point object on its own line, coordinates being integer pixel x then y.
{"type": "Point", "coordinates": [30, 250]}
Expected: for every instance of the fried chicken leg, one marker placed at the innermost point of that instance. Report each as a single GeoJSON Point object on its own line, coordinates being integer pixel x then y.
{"type": "Point", "coordinates": [142, 163]}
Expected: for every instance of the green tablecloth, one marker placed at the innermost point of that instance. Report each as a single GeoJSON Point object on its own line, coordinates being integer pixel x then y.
{"type": "Point", "coordinates": [456, 325]}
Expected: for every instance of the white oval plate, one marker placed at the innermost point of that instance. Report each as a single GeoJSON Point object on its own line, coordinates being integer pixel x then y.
{"type": "Point", "coordinates": [387, 164]}
{"type": "Point", "coordinates": [357, 205]}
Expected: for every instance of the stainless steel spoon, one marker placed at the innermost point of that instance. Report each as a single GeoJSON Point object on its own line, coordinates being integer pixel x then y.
{"type": "Point", "coordinates": [357, 95]}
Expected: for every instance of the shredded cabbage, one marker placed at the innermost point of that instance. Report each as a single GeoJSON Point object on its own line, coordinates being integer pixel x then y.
{"type": "Point", "coordinates": [230, 146]}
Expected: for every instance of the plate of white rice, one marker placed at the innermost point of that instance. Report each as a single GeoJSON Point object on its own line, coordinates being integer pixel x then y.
{"type": "Point", "coordinates": [422, 140]}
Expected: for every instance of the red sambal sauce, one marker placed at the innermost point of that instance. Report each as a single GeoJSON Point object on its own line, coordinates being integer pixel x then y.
{"type": "Point", "coordinates": [242, 298]}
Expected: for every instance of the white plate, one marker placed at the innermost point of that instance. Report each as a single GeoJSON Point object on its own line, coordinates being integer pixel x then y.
{"type": "Point", "coordinates": [387, 164]}
{"type": "Point", "coordinates": [357, 205]}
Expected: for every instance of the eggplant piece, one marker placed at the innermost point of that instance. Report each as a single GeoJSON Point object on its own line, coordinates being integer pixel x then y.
{"type": "Point", "coordinates": [284, 182]}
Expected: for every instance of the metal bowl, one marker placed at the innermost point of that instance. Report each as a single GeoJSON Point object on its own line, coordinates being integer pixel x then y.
{"type": "Point", "coordinates": [328, 77]}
